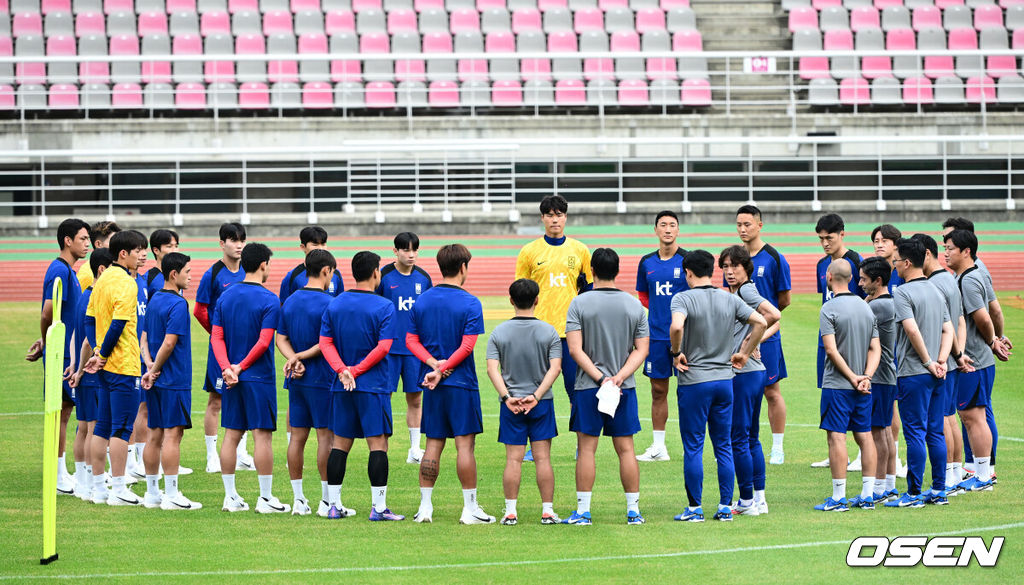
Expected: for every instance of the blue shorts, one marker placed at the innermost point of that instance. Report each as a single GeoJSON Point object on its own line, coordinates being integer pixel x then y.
{"type": "Point", "coordinates": [167, 409]}
{"type": "Point", "coordinates": [249, 405]}
{"type": "Point", "coordinates": [882, 398]}
{"type": "Point", "coordinates": [658, 364]}
{"type": "Point", "coordinates": [587, 419]}
{"type": "Point", "coordinates": [845, 411]}
{"type": "Point", "coordinates": [213, 381]}
{"type": "Point", "coordinates": [357, 415]}
{"type": "Point", "coordinates": [952, 383]}
{"type": "Point", "coordinates": [122, 406]}
{"type": "Point", "coordinates": [536, 425]}
{"type": "Point", "coordinates": [404, 368]}
{"type": "Point", "coordinates": [774, 362]}
{"type": "Point", "coordinates": [309, 407]}
{"type": "Point", "coordinates": [975, 389]}
{"type": "Point", "coordinates": [450, 412]}
{"type": "Point", "coordinates": [821, 361]}
{"type": "Point", "coordinates": [87, 398]}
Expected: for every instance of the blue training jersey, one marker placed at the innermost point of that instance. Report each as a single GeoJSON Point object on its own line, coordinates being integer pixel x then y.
{"type": "Point", "coordinates": [440, 317]}
{"type": "Point", "coordinates": [894, 281]}
{"type": "Point", "coordinates": [167, 313]}
{"type": "Point", "coordinates": [771, 276]}
{"type": "Point", "coordinates": [358, 320]}
{"type": "Point", "coordinates": [211, 286]}
{"type": "Point", "coordinates": [154, 282]}
{"type": "Point", "coordinates": [301, 316]}
{"type": "Point", "coordinates": [243, 311]}
{"type": "Point", "coordinates": [402, 291]}
{"type": "Point", "coordinates": [90, 380]}
{"type": "Point", "coordinates": [296, 279]}
{"type": "Point", "coordinates": [661, 279]}
{"type": "Point", "coordinates": [71, 290]}
{"type": "Point", "coordinates": [854, 259]}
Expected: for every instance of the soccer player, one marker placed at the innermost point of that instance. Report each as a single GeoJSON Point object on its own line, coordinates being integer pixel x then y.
{"type": "Point", "coordinates": [112, 320]}
{"type": "Point", "coordinates": [703, 354]}
{"type": "Point", "coordinates": [445, 323]}
{"type": "Point", "coordinates": [924, 335]}
{"type": "Point", "coordinates": [161, 243]}
{"type": "Point", "coordinates": [99, 234]}
{"type": "Point", "coordinates": [307, 375]}
{"type": "Point", "coordinates": [402, 282]}
{"type": "Point", "coordinates": [244, 323]}
{"type": "Point", "coordinates": [884, 238]}
{"type": "Point", "coordinates": [608, 337]}
{"type": "Point", "coordinates": [748, 385]}
{"type": "Point", "coordinates": [659, 277]}
{"type": "Point", "coordinates": [524, 357]}
{"type": "Point", "coordinates": [311, 238]}
{"type": "Point", "coordinates": [167, 345]}
{"type": "Point", "coordinates": [358, 329]}
{"type": "Point", "coordinates": [134, 469]}
{"type": "Point", "coordinates": [215, 280]}
{"type": "Point", "coordinates": [73, 239]}
{"type": "Point", "coordinates": [772, 279]}
{"type": "Point", "coordinates": [848, 329]}
{"type": "Point", "coordinates": [874, 280]}
{"type": "Point", "coordinates": [974, 389]}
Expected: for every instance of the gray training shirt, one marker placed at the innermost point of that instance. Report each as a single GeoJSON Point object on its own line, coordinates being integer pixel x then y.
{"type": "Point", "coordinates": [976, 292]}
{"type": "Point", "coordinates": [946, 284]}
{"type": "Point", "coordinates": [850, 319]}
{"type": "Point", "coordinates": [524, 346]}
{"type": "Point", "coordinates": [919, 300]}
{"type": "Point", "coordinates": [610, 319]}
{"type": "Point", "coordinates": [885, 321]}
{"type": "Point", "coordinates": [747, 292]}
{"type": "Point", "coordinates": [707, 336]}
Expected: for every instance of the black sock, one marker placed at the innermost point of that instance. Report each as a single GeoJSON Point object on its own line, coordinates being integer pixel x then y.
{"type": "Point", "coordinates": [336, 466]}
{"type": "Point", "coordinates": [377, 468]}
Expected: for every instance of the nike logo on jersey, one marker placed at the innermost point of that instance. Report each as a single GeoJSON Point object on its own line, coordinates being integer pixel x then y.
{"type": "Point", "coordinates": [225, 285]}
{"type": "Point", "coordinates": [650, 272]}
{"type": "Point", "coordinates": [772, 378]}
{"type": "Point", "coordinates": [394, 286]}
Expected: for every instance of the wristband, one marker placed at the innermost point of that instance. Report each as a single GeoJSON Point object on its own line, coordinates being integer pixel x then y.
{"type": "Point", "coordinates": [506, 396]}
{"type": "Point", "coordinates": [675, 354]}
{"type": "Point", "coordinates": [957, 356]}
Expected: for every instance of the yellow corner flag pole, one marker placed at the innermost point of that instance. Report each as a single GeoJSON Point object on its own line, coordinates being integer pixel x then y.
{"type": "Point", "coordinates": [53, 373]}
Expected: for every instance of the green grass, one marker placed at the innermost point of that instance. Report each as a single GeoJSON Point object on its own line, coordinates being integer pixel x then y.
{"type": "Point", "coordinates": [212, 546]}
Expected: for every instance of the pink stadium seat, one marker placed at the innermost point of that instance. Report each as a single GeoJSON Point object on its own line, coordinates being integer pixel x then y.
{"type": "Point", "coordinates": [361, 5]}
{"type": "Point", "coordinates": [918, 91]}
{"type": "Point", "coordinates": [689, 41]}
{"type": "Point", "coordinates": [314, 43]}
{"type": "Point", "coordinates": [250, 45]}
{"type": "Point", "coordinates": [190, 96]}
{"type": "Point", "coordinates": [472, 69]}
{"type": "Point", "coordinates": [633, 92]}
{"type": "Point", "coordinates": [963, 39]}
{"type": "Point", "coordinates": [981, 89]}
{"type": "Point", "coordinates": [854, 91]}
{"type": "Point", "coordinates": [152, 23]}
{"type": "Point", "coordinates": [277, 23]}
{"type": "Point", "coordinates": [317, 95]}
{"type": "Point", "coordinates": [670, 4]}
{"type": "Point", "coordinates": [507, 93]}
{"type": "Point", "coordinates": [48, 6]}
{"type": "Point", "coordinates": [176, 6]}
{"type": "Point", "coordinates": [215, 23]}
{"type": "Point", "coordinates": [936, 66]}
{"type": "Point", "coordinates": [988, 16]}
{"type": "Point", "coordinates": [27, 23]}
{"type": "Point", "coordinates": [63, 96]}
{"type": "Point", "coordinates": [115, 6]}
{"type": "Point", "coordinates": [374, 43]}
{"type": "Point", "coordinates": [802, 17]}
{"type": "Point", "coordinates": [570, 92]}
{"type": "Point", "coordinates": [124, 45]}
{"type": "Point", "coordinates": [126, 96]}
{"type": "Point", "coordinates": [424, 5]}
{"type": "Point", "coordinates": [838, 40]}
{"type": "Point", "coordinates": [648, 19]}
{"type": "Point", "coordinates": [253, 96]}
{"type": "Point", "coordinates": [873, 67]}
{"type": "Point", "coordinates": [464, 20]}
{"type": "Point", "coordinates": [696, 92]}
{"type": "Point", "coordinates": [298, 6]}
{"type": "Point", "coordinates": [863, 17]}
{"type": "Point", "coordinates": [27, 73]}
{"type": "Point", "coordinates": [943, 4]}
{"type": "Point", "coordinates": [1009, 3]}
{"type": "Point", "coordinates": [1018, 39]}
{"type": "Point", "coordinates": [156, 71]}
{"type": "Point", "coordinates": [62, 46]}
{"type": "Point", "coordinates": [243, 6]}
{"type": "Point", "coordinates": [443, 94]}
{"type": "Point", "coordinates": [380, 94]}
{"type": "Point", "coordinates": [340, 21]}
{"type": "Point", "coordinates": [545, 5]}
{"type": "Point", "coordinates": [484, 5]}
{"type": "Point", "coordinates": [927, 17]}
{"type": "Point", "coordinates": [562, 42]}
{"type": "Point", "coordinates": [345, 70]}
{"type": "Point", "coordinates": [999, 66]}
{"type": "Point", "coordinates": [661, 68]}
{"type": "Point", "coordinates": [7, 101]}
{"type": "Point", "coordinates": [883, 4]}
{"type": "Point", "coordinates": [819, 4]}
{"type": "Point", "coordinates": [586, 19]}
{"type": "Point", "coordinates": [527, 19]}
{"type": "Point", "coordinates": [900, 39]}
{"type": "Point", "coordinates": [814, 68]}
{"type": "Point", "coordinates": [401, 20]}
{"type": "Point", "coordinates": [6, 47]}
{"type": "Point", "coordinates": [90, 23]}
{"type": "Point", "coordinates": [607, 5]}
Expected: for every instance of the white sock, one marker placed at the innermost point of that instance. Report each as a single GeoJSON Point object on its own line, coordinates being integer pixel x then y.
{"type": "Point", "coordinates": [469, 499]}
{"type": "Point", "coordinates": [958, 472]}
{"type": "Point", "coordinates": [890, 482]}
{"type": "Point", "coordinates": [288, 437]}
{"type": "Point", "coordinates": [425, 498]}
{"type": "Point", "coordinates": [211, 446]}
{"type": "Point", "coordinates": [633, 502]}
{"type": "Point", "coordinates": [171, 485]}
{"type": "Point", "coordinates": [659, 439]}
{"type": "Point", "coordinates": [984, 472]}
{"type": "Point", "coordinates": [266, 486]}
{"type": "Point", "coordinates": [838, 489]}
{"type": "Point", "coordinates": [117, 483]}
{"type": "Point", "coordinates": [414, 437]}
{"type": "Point", "coordinates": [879, 487]}
{"type": "Point", "coordinates": [758, 495]}
{"type": "Point", "coordinates": [139, 447]}
{"type": "Point", "coordinates": [297, 489]}
{"type": "Point", "coordinates": [85, 482]}
{"type": "Point", "coordinates": [777, 441]}
{"type": "Point", "coordinates": [79, 472]}
{"type": "Point", "coordinates": [547, 508]}
{"type": "Point", "coordinates": [745, 503]}
{"type": "Point", "coordinates": [867, 487]}
{"type": "Point", "coordinates": [229, 485]}
{"type": "Point", "coordinates": [951, 479]}
{"type": "Point", "coordinates": [62, 470]}
{"type": "Point", "coordinates": [88, 469]}
{"type": "Point", "coordinates": [323, 491]}
{"type": "Point", "coordinates": [241, 445]}
{"type": "Point", "coordinates": [379, 497]}
{"type": "Point", "coordinates": [334, 495]}
{"type": "Point", "coordinates": [896, 447]}
{"type": "Point", "coordinates": [510, 507]}
{"type": "Point", "coordinates": [153, 484]}
{"type": "Point", "coordinates": [583, 501]}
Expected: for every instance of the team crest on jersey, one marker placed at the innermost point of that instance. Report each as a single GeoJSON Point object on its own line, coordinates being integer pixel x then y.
{"type": "Point", "coordinates": [675, 272]}
{"type": "Point", "coordinates": [419, 288]}
{"type": "Point", "coordinates": [760, 271]}
{"type": "Point", "coordinates": [571, 260]}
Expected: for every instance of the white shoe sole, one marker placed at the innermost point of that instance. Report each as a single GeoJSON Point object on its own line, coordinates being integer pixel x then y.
{"type": "Point", "coordinates": [423, 518]}
{"type": "Point", "coordinates": [646, 458]}
{"type": "Point", "coordinates": [150, 505]}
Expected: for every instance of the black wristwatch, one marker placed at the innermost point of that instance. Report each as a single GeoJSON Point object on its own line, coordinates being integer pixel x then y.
{"type": "Point", "coordinates": [676, 354]}
{"type": "Point", "coordinates": [506, 397]}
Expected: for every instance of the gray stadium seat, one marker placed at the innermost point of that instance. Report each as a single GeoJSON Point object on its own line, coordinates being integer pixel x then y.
{"type": "Point", "coordinates": [788, 5]}
{"type": "Point", "coordinates": [602, 92]}
{"type": "Point", "coordinates": [912, 4]}
{"type": "Point", "coordinates": [514, 5]}
{"type": "Point", "coordinates": [948, 90]}
{"type": "Point", "coordinates": [453, 5]}
{"type": "Point", "coordinates": [348, 95]}
{"type": "Point", "coordinates": [329, 5]}
{"type": "Point", "coordinates": [1010, 89]}
{"type": "Point", "coordinates": [957, 17]}
{"type": "Point", "coordinates": [823, 92]}
{"type": "Point", "coordinates": [183, 23]}
{"type": "Point", "coordinates": [274, 6]}
{"type": "Point", "coordinates": [538, 92]}
{"type": "Point", "coordinates": [476, 94]}
{"type": "Point", "coordinates": [1015, 17]}
{"type": "Point", "coordinates": [993, 39]}
{"type": "Point", "coordinates": [411, 94]}
{"type": "Point", "coordinates": [390, 5]}
{"type": "Point", "coordinates": [285, 95]}
{"type": "Point", "coordinates": [246, 23]}
{"type": "Point", "coordinates": [222, 96]}
{"type": "Point", "coordinates": [635, 5]}
{"type": "Point", "coordinates": [868, 39]}
{"type": "Point", "coordinates": [31, 97]}
{"type": "Point", "coordinates": [664, 92]}
{"type": "Point", "coordinates": [19, 6]}
{"type": "Point", "coordinates": [847, 4]}
{"type": "Point", "coordinates": [894, 17]}
{"type": "Point", "coordinates": [885, 91]}
{"type": "Point", "coordinates": [433, 21]}
{"type": "Point", "coordinates": [496, 19]}
{"type": "Point", "coordinates": [371, 21]}
{"type": "Point", "coordinates": [557, 20]}
{"type": "Point", "coordinates": [618, 19]}
{"type": "Point", "coordinates": [142, 6]}
{"type": "Point", "coordinates": [120, 23]}
{"type": "Point", "coordinates": [309, 22]}
{"type": "Point", "coordinates": [95, 96]}
{"type": "Point", "coordinates": [158, 96]}
{"type": "Point", "coordinates": [681, 19]}
{"type": "Point", "coordinates": [79, 6]}
{"type": "Point", "coordinates": [969, 66]}
{"type": "Point", "coordinates": [59, 24]}
{"type": "Point", "coordinates": [219, 45]}
{"type": "Point", "coordinates": [205, 6]}
{"type": "Point", "coordinates": [575, 5]}
{"type": "Point", "coordinates": [833, 18]}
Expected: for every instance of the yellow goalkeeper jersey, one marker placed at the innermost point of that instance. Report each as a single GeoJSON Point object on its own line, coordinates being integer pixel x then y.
{"type": "Point", "coordinates": [556, 269]}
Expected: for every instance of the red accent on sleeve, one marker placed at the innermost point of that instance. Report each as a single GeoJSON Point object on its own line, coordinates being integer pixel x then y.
{"type": "Point", "coordinates": [330, 353]}
{"type": "Point", "coordinates": [373, 358]}
{"type": "Point", "coordinates": [262, 345]}
{"type": "Point", "coordinates": [202, 313]}
{"type": "Point", "coordinates": [220, 351]}
{"type": "Point", "coordinates": [465, 350]}
{"type": "Point", "coordinates": [645, 300]}
{"type": "Point", "coordinates": [412, 341]}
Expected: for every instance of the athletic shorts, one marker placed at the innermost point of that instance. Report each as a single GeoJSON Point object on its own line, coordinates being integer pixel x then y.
{"type": "Point", "coordinates": [404, 368]}
{"type": "Point", "coordinates": [883, 396]}
{"type": "Point", "coordinates": [450, 412]}
{"type": "Point", "coordinates": [975, 389]}
{"type": "Point", "coordinates": [249, 405]}
{"type": "Point", "coordinates": [952, 383]}
{"type": "Point", "coordinates": [536, 425]}
{"type": "Point", "coordinates": [167, 409]}
{"type": "Point", "coordinates": [213, 382]}
{"type": "Point", "coordinates": [658, 363]}
{"type": "Point", "coordinates": [821, 362]}
{"type": "Point", "coordinates": [357, 415]}
{"type": "Point", "coordinates": [845, 411]}
{"type": "Point", "coordinates": [122, 402]}
{"type": "Point", "coordinates": [587, 419]}
{"type": "Point", "coordinates": [309, 407]}
{"type": "Point", "coordinates": [774, 361]}
{"type": "Point", "coordinates": [87, 399]}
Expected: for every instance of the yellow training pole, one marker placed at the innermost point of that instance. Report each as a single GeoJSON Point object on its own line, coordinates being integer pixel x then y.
{"type": "Point", "coordinates": [53, 372]}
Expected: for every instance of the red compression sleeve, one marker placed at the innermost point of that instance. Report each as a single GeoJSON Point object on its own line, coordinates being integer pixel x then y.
{"type": "Point", "coordinates": [645, 300]}
{"type": "Point", "coordinates": [202, 313]}
{"type": "Point", "coordinates": [262, 345]}
{"type": "Point", "coordinates": [330, 353]}
{"type": "Point", "coordinates": [220, 351]}
{"type": "Point", "coordinates": [465, 350]}
{"type": "Point", "coordinates": [373, 358]}
{"type": "Point", "coordinates": [412, 341]}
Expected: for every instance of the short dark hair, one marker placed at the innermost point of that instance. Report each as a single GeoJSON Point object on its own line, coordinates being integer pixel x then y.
{"type": "Point", "coordinates": [174, 262]}
{"type": "Point", "coordinates": [100, 257]}
{"type": "Point", "coordinates": [407, 241]}
{"type": "Point", "coordinates": [553, 203]}
{"type": "Point", "coordinates": [316, 260]}
{"type": "Point", "coordinates": [749, 209]}
{"type": "Point", "coordinates": [69, 228]}
{"type": "Point", "coordinates": [912, 250]}
{"type": "Point", "coordinates": [889, 232]}
{"type": "Point", "coordinates": [363, 265]}
{"type": "Point", "coordinates": [161, 238]}
{"type": "Point", "coordinates": [830, 223]}
{"type": "Point", "coordinates": [126, 241]}
{"type": "Point", "coordinates": [451, 257]}
{"type": "Point", "coordinates": [232, 231]}
{"type": "Point", "coordinates": [313, 234]}
{"type": "Point", "coordinates": [254, 254]}
{"type": "Point", "coordinates": [666, 213]}
{"type": "Point", "coordinates": [958, 223]}
{"type": "Point", "coordinates": [605, 263]}
{"type": "Point", "coordinates": [523, 293]}
{"type": "Point", "coordinates": [876, 267]}
{"type": "Point", "coordinates": [700, 262]}
{"type": "Point", "coordinates": [928, 242]}
{"type": "Point", "coordinates": [963, 239]}
{"type": "Point", "coordinates": [737, 256]}
{"type": "Point", "coordinates": [101, 230]}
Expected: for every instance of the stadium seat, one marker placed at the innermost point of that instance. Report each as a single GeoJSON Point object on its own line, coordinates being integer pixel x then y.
{"type": "Point", "coordinates": [918, 91]}
{"type": "Point", "coordinates": [997, 66]}
{"type": "Point", "coordinates": [948, 90]}
{"type": "Point", "coordinates": [121, 23]}
{"type": "Point", "coordinates": [465, 20]}
{"type": "Point", "coordinates": [432, 21]}
{"type": "Point", "coordinates": [501, 42]}
{"type": "Point", "coordinates": [485, 5]}
{"type": "Point", "coordinates": [274, 6]}
{"type": "Point", "coordinates": [607, 5]}
{"type": "Point", "coordinates": [215, 23]}
{"type": "Point", "coordinates": [250, 72]}
{"type": "Point", "coordinates": [313, 70]}
{"type": "Point", "coordinates": [59, 24]}
{"type": "Point", "coordinates": [31, 96]}
{"type": "Point", "coordinates": [140, 6]}
{"type": "Point", "coordinates": [885, 91]}
{"type": "Point", "coordinates": [927, 16]}
{"type": "Point", "coordinates": [475, 93]}
{"type": "Point", "coordinates": [988, 16]}
{"type": "Point", "coordinates": [627, 67]}
{"type": "Point", "coordinates": [63, 96]}
{"type": "Point", "coordinates": [380, 95]}
{"type": "Point", "coordinates": [190, 96]}
{"type": "Point", "coordinates": [285, 70]}
{"type": "Point", "coordinates": [471, 69]}
{"type": "Point", "coordinates": [156, 72]}
{"type": "Point", "coordinates": [236, 6]}
{"type": "Point", "coordinates": [545, 5]}
{"type": "Point", "coordinates": [873, 66]}
{"type": "Point", "coordinates": [16, 6]}
{"type": "Point", "coordinates": [364, 5]}
{"type": "Point", "coordinates": [348, 95]}
{"type": "Point", "coordinates": [176, 6]}
{"type": "Point", "coordinates": [62, 71]}
{"type": "Point", "coordinates": [94, 96]}
{"type": "Point", "coordinates": [935, 66]}
{"type": "Point", "coordinates": [443, 94]}
{"type": "Point", "coordinates": [570, 92]}
{"type": "Point", "coordinates": [557, 20]}
{"type": "Point", "coordinates": [696, 92]}
{"type": "Point", "coordinates": [253, 96]}
{"type": "Point", "coordinates": [821, 4]}
{"type": "Point", "coordinates": [411, 94]}
{"type": "Point", "coordinates": [277, 23]}
{"type": "Point", "coordinates": [93, 72]}
{"type": "Point", "coordinates": [495, 19]}
{"type": "Point", "coordinates": [370, 21]}
{"type": "Point", "coordinates": [633, 92]}
{"type": "Point", "coordinates": [526, 20]}
{"type": "Point", "coordinates": [309, 22]}
{"type": "Point", "coordinates": [439, 69]}
{"type": "Point", "coordinates": [28, 72]}
{"type": "Point", "coordinates": [90, 23]}
{"type": "Point", "coordinates": [619, 20]}
{"type": "Point", "coordinates": [1010, 89]}
{"type": "Point", "coordinates": [126, 96]}
{"type": "Point", "coordinates": [285, 95]}
{"type": "Point", "coordinates": [841, 67]}
{"type": "Point", "coordinates": [895, 17]}
{"type": "Point", "coordinates": [27, 24]}
{"type": "Point", "coordinates": [823, 92]}
{"type": "Point", "coordinates": [7, 99]}
{"type": "Point", "coordinates": [883, 4]}
{"type": "Point", "coordinates": [956, 17]}
{"type": "Point", "coordinates": [402, 21]}
{"type": "Point", "coordinates": [692, 65]}
{"type": "Point", "coordinates": [658, 67]}
{"type": "Point", "coordinates": [854, 91]}
{"type": "Point", "coordinates": [944, 4]}
{"type": "Point", "coordinates": [667, 5]}
{"type": "Point", "coordinates": [810, 67]}
{"type": "Point", "coordinates": [6, 69]}
{"type": "Point", "coordinates": [115, 6]}
{"type": "Point", "coordinates": [664, 92]}
{"type": "Point", "coordinates": [903, 39]}
{"type": "Point", "coordinates": [376, 70]}
{"type": "Point", "coordinates": [565, 68]}
{"type": "Point", "coordinates": [803, 18]}
{"type": "Point", "coordinates": [966, 65]}
{"type": "Point", "coordinates": [833, 17]}
{"type": "Point", "coordinates": [679, 19]}
{"type": "Point", "coordinates": [533, 69]}
{"type": "Point", "coordinates": [204, 6]}
{"type": "Point", "coordinates": [297, 6]}
{"type": "Point", "coordinates": [339, 21]}
{"type": "Point", "coordinates": [219, 71]}
{"type": "Point", "coordinates": [158, 96]}
{"type": "Point", "coordinates": [187, 71]}
{"type": "Point", "coordinates": [48, 7]}
{"type": "Point", "coordinates": [864, 17]}
{"type": "Point", "coordinates": [588, 19]}
{"type": "Point", "coordinates": [424, 5]}
{"type": "Point", "coordinates": [222, 96]}
{"type": "Point", "coordinates": [153, 23]}
{"type": "Point", "coordinates": [1015, 17]}
{"type": "Point", "coordinates": [317, 95]}
{"type": "Point", "coordinates": [408, 69]}
{"type": "Point", "coordinates": [596, 67]}
{"type": "Point", "coordinates": [538, 92]}
{"type": "Point", "coordinates": [453, 5]}
{"type": "Point", "coordinates": [125, 72]}
{"type": "Point", "coordinates": [507, 93]}
{"type": "Point", "coordinates": [981, 89]}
